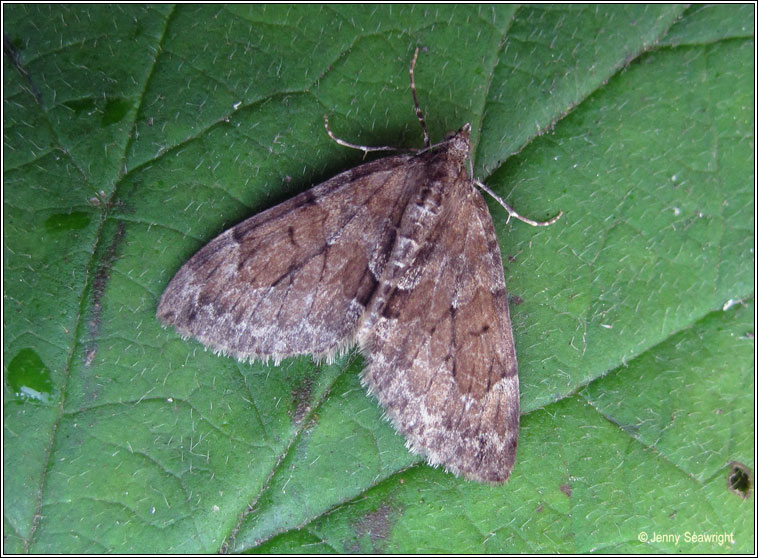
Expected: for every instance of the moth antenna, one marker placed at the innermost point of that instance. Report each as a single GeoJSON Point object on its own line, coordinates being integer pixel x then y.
{"type": "Point", "coordinates": [367, 149]}
{"type": "Point", "coordinates": [364, 148]}
{"type": "Point", "coordinates": [512, 212]}
{"type": "Point", "coordinates": [419, 114]}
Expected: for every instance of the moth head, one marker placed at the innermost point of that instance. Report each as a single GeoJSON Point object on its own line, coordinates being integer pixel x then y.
{"type": "Point", "coordinates": [459, 141]}
{"type": "Point", "coordinates": [464, 130]}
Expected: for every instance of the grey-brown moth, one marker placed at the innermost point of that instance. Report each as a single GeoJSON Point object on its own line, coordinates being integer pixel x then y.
{"type": "Point", "coordinates": [398, 255]}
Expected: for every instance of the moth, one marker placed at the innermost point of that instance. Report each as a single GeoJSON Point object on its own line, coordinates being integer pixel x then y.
{"type": "Point", "coordinates": [398, 256]}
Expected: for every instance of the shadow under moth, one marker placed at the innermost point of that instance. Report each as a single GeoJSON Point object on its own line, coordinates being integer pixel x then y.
{"type": "Point", "coordinates": [398, 255]}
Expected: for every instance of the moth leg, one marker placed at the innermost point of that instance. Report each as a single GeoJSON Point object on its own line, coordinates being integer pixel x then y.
{"type": "Point", "coordinates": [512, 212]}
{"type": "Point", "coordinates": [364, 148]}
{"type": "Point", "coordinates": [419, 114]}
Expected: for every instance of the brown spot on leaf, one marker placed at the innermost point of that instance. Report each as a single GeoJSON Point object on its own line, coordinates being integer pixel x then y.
{"type": "Point", "coordinates": [377, 525]}
{"type": "Point", "coordinates": [740, 480]}
{"type": "Point", "coordinates": [99, 283]}
{"type": "Point", "coordinates": [301, 399]}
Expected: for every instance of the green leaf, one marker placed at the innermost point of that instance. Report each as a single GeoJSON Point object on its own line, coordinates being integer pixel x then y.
{"type": "Point", "coordinates": [135, 133]}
